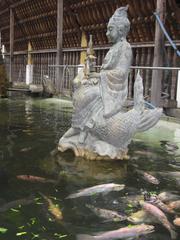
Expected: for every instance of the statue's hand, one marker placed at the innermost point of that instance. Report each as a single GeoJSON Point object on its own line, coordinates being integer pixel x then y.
{"type": "Point", "coordinates": [94, 78]}
{"type": "Point", "coordinates": [94, 75]}
{"type": "Point", "coordinates": [85, 82]}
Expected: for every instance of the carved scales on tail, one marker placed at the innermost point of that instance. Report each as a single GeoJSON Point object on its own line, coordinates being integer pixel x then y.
{"type": "Point", "coordinates": [138, 94]}
{"type": "Point", "coordinates": [148, 117]}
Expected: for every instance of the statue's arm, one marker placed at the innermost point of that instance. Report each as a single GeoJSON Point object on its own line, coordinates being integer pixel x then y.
{"type": "Point", "coordinates": [122, 65]}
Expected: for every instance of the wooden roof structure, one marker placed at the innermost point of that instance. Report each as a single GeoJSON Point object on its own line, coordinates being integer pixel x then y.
{"type": "Point", "coordinates": [36, 21]}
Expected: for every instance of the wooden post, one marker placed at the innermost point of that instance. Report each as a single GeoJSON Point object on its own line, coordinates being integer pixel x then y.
{"type": "Point", "coordinates": [59, 56]}
{"type": "Point", "coordinates": [29, 53]}
{"type": "Point", "coordinates": [0, 41]}
{"type": "Point", "coordinates": [158, 55]}
{"type": "Point", "coordinates": [11, 44]}
{"type": "Point", "coordinates": [29, 66]}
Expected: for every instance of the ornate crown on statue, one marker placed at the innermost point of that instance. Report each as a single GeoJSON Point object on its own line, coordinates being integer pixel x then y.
{"type": "Point", "coordinates": [119, 14]}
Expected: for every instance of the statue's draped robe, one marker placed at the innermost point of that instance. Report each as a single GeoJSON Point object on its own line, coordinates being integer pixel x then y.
{"type": "Point", "coordinates": [110, 94]}
{"type": "Point", "coordinates": [114, 78]}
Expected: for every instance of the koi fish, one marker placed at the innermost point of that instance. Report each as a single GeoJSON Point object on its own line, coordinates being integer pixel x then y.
{"type": "Point", "coordinates": [148, 177]}
{"type": "Point", "coordinates": [126, 232]}
{"type": "Point", "coordinates": [53, 209]}
{"type": "Point", "coordinates": [34, 179]}
{"type": "Point", "coordinates": [175, 205]}
{"type": "Point", "coordinates": [107, 214]}
{"type": "Point", "coordinates": [103, 188]}
{"type": "Point", "coordinates": [160, 216]}
{"type": "Point", "coordinates": [16, 203]}
{"type": "Point", "coordinates": [170, 174]}
{"type": "Point", "coordinates": [170, 146]}
{"type": "Point", "coordinates": [158, 203]}
{"type": "Point", "coordinates": [176, 167]}
{"type": "Point", "coordinates": [26, 149]}
{"type": "Point", "coordinates": [168, 197]}
{"type": "Point", "coordinates": [165, 208]}
{"type": "Point", "coordinates": [177, 222]}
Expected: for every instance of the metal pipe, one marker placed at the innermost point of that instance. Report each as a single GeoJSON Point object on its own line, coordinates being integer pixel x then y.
{"type": "Point", "coordinates": [166, 34]}
{"type": "Point", "coordinates": [132, 67]}
{"type": "Point", "coordinates": [149, 105]}
{"type": "Point", "coordinates": [155, 68]}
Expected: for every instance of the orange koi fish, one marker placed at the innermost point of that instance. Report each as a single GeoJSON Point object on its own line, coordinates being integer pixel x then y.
{"type": "Point", "coordinates": [34, 179]}
{"type": "Point", "coordinates": [53, 208]}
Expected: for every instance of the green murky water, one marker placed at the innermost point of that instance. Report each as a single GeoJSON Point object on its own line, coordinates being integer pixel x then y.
{"type": "Point", "coordinates": [29, 132]}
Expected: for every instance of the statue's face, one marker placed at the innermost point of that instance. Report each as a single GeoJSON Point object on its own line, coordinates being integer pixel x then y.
{"type": "Point", "coordinates": [114, 33]}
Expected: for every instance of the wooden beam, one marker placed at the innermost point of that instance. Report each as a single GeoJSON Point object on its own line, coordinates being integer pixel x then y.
{"type": "Point", "coordinates": [31, 19]}
{"type": "Point", "coordinates": [11, 37]}
{"type": "Point", "coordinates": [19, 3]}
{"type": "Point", "coordinates": [59, 56]}
{"type": "Point", "coordinates": [176, 9]}
{"type": "Point", "coordinates": [4, 11]}
{"type": "Point", "coordinates": [70, 12]}
{"type": "Point", "coordinates": [158, 55]}
{"type": "Point", "coordinates": [79, 49]}
{"type": "Point", "coordinates": [81, 4]}
{"type": "Point", "coordinates": [41, 35]}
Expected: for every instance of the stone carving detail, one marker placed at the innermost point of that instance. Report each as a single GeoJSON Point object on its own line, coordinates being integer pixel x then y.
{"type": "Point", "coordinates": [102, 127]}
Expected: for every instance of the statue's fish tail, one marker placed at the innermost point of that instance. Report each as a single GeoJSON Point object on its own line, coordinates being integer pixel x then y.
{"type": "Point", "coordinates": [149, 118]}
{"type": "Point", "coordinates": [138, 93]}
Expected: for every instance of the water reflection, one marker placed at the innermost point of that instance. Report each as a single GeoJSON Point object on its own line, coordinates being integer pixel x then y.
{"type": "Point", "coordinates": [29, 133]}
{"type": "Point", "coordinates": [98, 170]}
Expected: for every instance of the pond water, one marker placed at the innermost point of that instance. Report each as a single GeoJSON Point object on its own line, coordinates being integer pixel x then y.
{"type": "Point", "coordinates": [29, 133]}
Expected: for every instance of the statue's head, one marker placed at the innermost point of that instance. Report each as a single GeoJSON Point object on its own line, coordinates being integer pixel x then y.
{"type": "Point", "coordinates": [118, 26]}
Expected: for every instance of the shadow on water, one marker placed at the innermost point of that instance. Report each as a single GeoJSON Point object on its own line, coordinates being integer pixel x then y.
{"type": "Point", "coordinates": [29, 131]}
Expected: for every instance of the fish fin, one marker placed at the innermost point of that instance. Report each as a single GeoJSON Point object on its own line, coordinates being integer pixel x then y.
{"type": "Point", "coordinates": [89, 206]}
{"type": "Point", "coordinates": [42, 195]}
{"type": "Point", "coordinates": [107, 221]}
{"type": "Point", "coordinates": [84, 237]}
{"type": "Point", "coordinates": [149, 118]}
{"type": "Point", "coordinates": [73, 195]}
{"type": "Point", "coordinates": [104, 194]}
{"type": "Point", "coordinates": [173, 234]}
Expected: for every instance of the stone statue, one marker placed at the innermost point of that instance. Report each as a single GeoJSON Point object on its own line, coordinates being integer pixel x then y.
{"type": "Point", "coordinates": [102, 127]}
